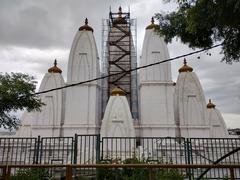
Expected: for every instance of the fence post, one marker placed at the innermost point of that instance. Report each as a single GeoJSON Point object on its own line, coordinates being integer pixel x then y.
{"type": "Point", "coordinates": [68, 172]}
{"type": "Point", "coordinates": [150, 174]}
{"type": "Point", "coordinates": [98, 141]}
{"type": "Point", "coordinates": [188, 156]}
{"type": "Point", "coordinates": [232, 173]}
{"type": "Point", "coordinates": [8, 175]}
{"type": "Point", "coordinates": [75, 149]}
{"type": "Point", "coordinates": [37, 149]}
{"type": "Point", "coordinates": [98, 151]}
{"type": "Point", "coordinates": [4, 172]}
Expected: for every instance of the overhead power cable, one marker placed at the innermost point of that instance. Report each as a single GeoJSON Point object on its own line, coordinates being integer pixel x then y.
{"type": "Point", "coordinates": [128, 71]}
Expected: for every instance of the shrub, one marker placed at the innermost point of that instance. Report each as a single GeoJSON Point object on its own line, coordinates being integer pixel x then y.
{"type": "Point", "coordinates": [30, 174]}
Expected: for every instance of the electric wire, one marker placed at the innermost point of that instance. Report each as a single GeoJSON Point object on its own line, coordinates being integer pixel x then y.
{"type": "Point", "coordinates": [128, 71]}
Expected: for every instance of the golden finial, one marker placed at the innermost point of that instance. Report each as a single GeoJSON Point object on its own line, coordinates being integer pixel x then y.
{"type": "Point", "coordinates": [117, 92]}
{"type": "Point", "coordinates": [55, 62]}
{"type": "Point", "coordinates": [152, 20]}
{"type": "Point", "coordinates": [86, 21]}
{"type": "Point", "coordinates": [210, 105]}
{"type": "Point", "coordinates": [185, 67]}
{"type": "Point", "coordinates": [86, 27]}
{"type": "Point", "coordinates": [120, 11]}
{"type": "Point", "coordinates": [55, 69]}
{"type": "Point", "coordinates": [152, 25]}
{"type": "Point", "coordinates": [120, 19]}
{"type": "Point", "coordinates": [184, 61]}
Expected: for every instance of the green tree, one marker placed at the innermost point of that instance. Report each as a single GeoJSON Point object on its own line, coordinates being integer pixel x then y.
{"type": "Point", "coordinates": [16, 93]}
{"type": "Point", "coordinates": [201, 23]}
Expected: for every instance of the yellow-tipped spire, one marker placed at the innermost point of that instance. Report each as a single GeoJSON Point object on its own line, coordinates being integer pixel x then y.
{"type": "Point", "coordinates": [185, 67]}
{"type": "Point", "coordinates": [55, 69]}
{"type": "Point", "coordinates": [210, 105]}
{"type": "Point", "coordinates": [152, 25]}
{"type": "Point", "coordinates": [86, 27]}
{"type": "Point", "coordinates": [120, 11]}
{"type": "Point", "coordinates": [117, 92]}
{"type": "Point", "coordinates": [120, 19]}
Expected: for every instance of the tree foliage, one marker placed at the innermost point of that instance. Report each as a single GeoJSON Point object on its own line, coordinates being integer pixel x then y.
{"type": "Point", "coordinates": [16, 93]}
{"type": "Point", "coordinates": [201, 23]}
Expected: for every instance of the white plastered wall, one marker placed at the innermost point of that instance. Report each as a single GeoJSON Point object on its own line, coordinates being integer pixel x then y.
{"type": "Point", "coordinates": [218, 126]}
{"type": "Point", "coordinates": [190, 107]}
{"type": "Point", "coordinates": [82, 110]}
{"type": "Point", "coordinates": [156, 89]}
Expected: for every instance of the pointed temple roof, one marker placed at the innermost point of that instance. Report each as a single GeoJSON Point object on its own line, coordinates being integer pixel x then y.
{"type": "Point", "coordinates": [210, 105]}
{"type": "Point", "coordinates": [152, 25]}
{"type": "Point", "coordinates": [86, 27]}
{"type": "Point", "coordinates": [185, 67]}
{"type": "Point", "coordinates": [117, 92]}
{"type": "Point", "coordinates": [55, 69]}
{"type": "Point", "coordinates": [120, 19]}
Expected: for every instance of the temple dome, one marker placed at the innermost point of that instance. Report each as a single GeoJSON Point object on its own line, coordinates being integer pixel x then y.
{"type": "Point", "coordinates": [86, 27]}
{"type": "Point", "coordinates": [210, 104]}
{"type": "Point", "coordinates": [117, 92]}
{"type": "Point", "coordinates": [55, 69]}
{"type": "Point", "coordinates": [185, 67]}
{"type": "Point", "coordinates": [152, 25]}
{"type": "Point", "coordinates": [120, 19]}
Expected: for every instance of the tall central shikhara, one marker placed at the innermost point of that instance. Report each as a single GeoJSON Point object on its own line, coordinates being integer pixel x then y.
{"type": "Point", "coordinates": [120, 56]}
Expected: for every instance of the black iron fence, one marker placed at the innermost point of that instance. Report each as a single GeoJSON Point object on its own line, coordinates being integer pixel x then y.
{"type": "Point", "coordinates": [80, 149]}
{"type": "Point", "coordinates": [91, 149]}
{"type": "Point", "coordinates": [18, 150]}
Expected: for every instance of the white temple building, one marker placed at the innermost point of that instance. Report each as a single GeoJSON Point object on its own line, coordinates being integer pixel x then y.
{"type": "Point", "coordinates": [143, 103]}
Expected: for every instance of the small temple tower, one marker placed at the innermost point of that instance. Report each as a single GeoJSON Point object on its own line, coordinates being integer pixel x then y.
{"type": "Point", "coordinates": [190, 105]}
{"type": "Point", "coordinates": [117, 120]}
{"type": "Point", "coordinates": [47, 122]}
{"type": "Point", "coordinates": [156, 87]}
{"type": "Point", "coordinates": [218, 126]}
{"type": "Point", "coordinates": [82, 108]}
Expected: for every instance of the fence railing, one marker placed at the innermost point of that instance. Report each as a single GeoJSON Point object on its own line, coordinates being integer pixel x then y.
{"type": "Point", "coordinates": [91, 149]}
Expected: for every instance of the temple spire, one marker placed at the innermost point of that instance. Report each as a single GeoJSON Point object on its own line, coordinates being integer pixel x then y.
{"type": "Point", "coordinates": [120, 11]}
{"type": "Point", "coordinates": [210, 104]}
{"type": "Point", "coordinates": [185, 67]}
{"type": "Point", "coordinates": [152, 20]}
{"type": "Point", "coordinates": [55, 63]}
{"type": "Point", "coordinates": [152, 25]}
{"type": "Point", "coordinates": [86, 27]}
{"type": "Point", "coordinates": [55, 69]}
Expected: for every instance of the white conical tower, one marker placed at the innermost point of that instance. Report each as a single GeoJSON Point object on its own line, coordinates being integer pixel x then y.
{"type": "Point", "coordinates": [49, 120]}
{"type": "Point", "coordinates": [117, 120]}
{"type": "Point", "coordinates": [154, 50]}
{"type": "Point", "coordinates": [82, 102]}
{"type": "Point", "coordinates": [190, 105]}
{"type": "Point", "coordinates": [218, 126]}
{"type": "Point", "coordinates": [156, 87]}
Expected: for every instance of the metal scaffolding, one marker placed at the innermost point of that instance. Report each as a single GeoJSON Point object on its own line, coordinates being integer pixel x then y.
{"type": "Point", "coordinates": [119, 55]}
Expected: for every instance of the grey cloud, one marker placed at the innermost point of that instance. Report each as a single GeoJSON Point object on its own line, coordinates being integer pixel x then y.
{"type": "Point", "coordinates": [43, 24]}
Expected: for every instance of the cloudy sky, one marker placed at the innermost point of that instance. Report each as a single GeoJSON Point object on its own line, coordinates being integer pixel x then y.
{"type": "Point", "coordinates": [34, 33]}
